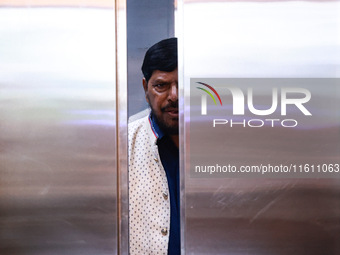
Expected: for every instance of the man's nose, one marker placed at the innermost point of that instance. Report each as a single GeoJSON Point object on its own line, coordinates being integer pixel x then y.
{"type": "Point", "coordinates": [173, 93]}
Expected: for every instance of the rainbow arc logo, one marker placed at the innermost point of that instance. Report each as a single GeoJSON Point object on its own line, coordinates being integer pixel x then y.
{"type": "Point", "coordinates": [204, 98]}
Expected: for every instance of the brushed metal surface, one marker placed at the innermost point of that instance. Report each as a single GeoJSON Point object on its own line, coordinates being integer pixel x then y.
{"type": "Point", "coordinates": [122, 116]}
{"type": "Point", "coordinates": [57, 131]}
{"type": "Point", "coordinates": [252, 39]}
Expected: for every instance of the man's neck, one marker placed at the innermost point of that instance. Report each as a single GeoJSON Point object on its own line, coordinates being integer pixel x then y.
{"type": "Point", "coordinates": [175, 139]}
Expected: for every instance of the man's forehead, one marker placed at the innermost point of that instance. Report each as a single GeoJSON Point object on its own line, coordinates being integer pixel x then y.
{"type": "Point", "coordinates": [158, 74]}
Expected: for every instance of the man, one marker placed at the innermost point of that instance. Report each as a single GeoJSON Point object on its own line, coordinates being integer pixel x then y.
{"type": "Point", "coordinates": [154, 216]}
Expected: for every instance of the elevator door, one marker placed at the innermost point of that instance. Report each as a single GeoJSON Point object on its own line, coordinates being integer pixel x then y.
{"type": "Point", "coordinates": [58, 128]}
{"type": "Point", "coordinates": [226, 44]}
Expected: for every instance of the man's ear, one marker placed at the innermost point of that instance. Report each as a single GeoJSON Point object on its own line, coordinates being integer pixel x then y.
{"type": "Point", "coordinates": [145, 86]}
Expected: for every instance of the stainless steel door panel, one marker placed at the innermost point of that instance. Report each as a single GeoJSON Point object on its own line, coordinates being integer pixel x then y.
{"type": "Point", "coordinates": [258, 39]}
{"type": "Point", "coordinates": [57, 131]}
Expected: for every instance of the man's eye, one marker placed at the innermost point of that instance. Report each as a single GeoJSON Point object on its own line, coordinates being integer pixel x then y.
{"type": "Point", "coordinates": [160, 87]}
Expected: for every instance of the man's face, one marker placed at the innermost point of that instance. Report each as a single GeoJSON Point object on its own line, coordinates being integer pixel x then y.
{"type": "Point", "coordinates": [161, 92]}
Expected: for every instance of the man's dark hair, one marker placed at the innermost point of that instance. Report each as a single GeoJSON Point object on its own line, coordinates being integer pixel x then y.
{"type": "Point", "coordinates": [162, 56]}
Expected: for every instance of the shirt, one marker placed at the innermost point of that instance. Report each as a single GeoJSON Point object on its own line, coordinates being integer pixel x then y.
{"type": "Point", "coordinates": [169, 155]}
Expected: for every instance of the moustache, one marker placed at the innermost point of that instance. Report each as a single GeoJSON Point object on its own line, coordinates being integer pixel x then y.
{"type": "Point", "coordinates": [172, 106]}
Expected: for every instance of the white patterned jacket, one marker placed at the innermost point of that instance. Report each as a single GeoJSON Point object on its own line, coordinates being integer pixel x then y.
{"type": "Point", "coordinates": [149, 200]}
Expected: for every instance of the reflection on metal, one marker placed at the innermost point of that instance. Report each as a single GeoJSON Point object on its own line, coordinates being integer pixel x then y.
{"type": "Point", "coordinates": [121, 101]}
{"type": "Point", "coordinates": [56, 3]}
{"type": "Point", "coordinates": [239, 39]}
{"type": "Point", "coordinates": [57, 131]}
